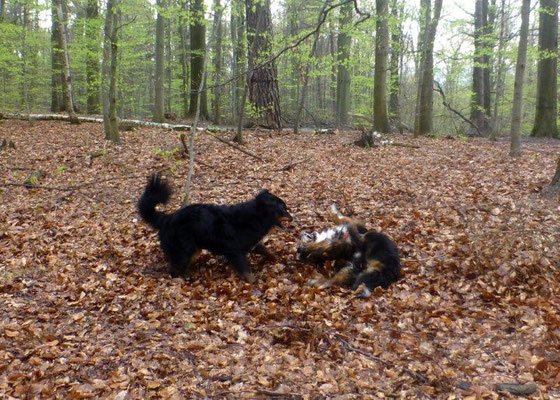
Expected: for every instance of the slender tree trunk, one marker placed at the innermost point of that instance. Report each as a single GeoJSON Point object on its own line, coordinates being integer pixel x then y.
{"type": "Point", "coordinates": [515, 149]}
{"type": "Point", "coordinates": [198, 50]}
{"type": "Point", "coordinates": [238, 40]}
{"type": "Point", "coordinates": [183, 31]}
{"type": "Point", "coordinates": [301, 100]}
{"type": "Point", "coordinates": [477, 105]}
{"type": "Point", "coordinates": [547, 97]}
{"type": "Point", "coordinates": [56, 64]}
{"type": "Point", "coordinates": [24, 61]}
{"type": "Point", "coordinates": [217, 61]}
{"type": "Point", "coordinates": [344, 43]}
{"type": "Point", "coordinates": [555, 183]}
{"type": "Point", "coordinates": [108, 79]}
{"type": "Point", "coordinates": [424, 18]}
{"type": "Point", "coordinates": [487, 28]}
{"type": "Point", "coordinates": [113, 77]}
{"type": "Point", "coordinates": [426, 98]}
{"type": "Point", "coordinates": [92, 58]}
{"type": "Point", "coordinates": [499, 74]}
{"type": "Point", "coordinates": [380, 117]}
{"type": "Point", "coordinates": [394, 81]}
{"type": "Point", "coordinates": [160, 61]}
{"type": "Point", "coordinates": [2, 10]}
{"type": "Point", "coordinates": [263, 76]}
{"type": "Point", "coordinates": [168, 68]}
{"type": "Point", "coordinates": [66, 65]}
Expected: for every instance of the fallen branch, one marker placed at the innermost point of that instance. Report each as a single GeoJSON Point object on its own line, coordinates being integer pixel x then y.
{"type": "Point", "coordinates": [127, 122]}
{"type": "Point", "coordinates": [517, 389]}
{"type": "Point", "coordinates": [186, 151]}
{"type": "Point", "coordinates": [448, 106]}
{"type": "Point", "coordinates": [235, 146]}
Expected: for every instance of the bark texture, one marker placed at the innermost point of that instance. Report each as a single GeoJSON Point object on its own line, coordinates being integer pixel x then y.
{"type": "Point", "coordinates": [263, 76]}
{"type": "Point", "coordinates": [380, 116]}
{"type": "Point", "coordinates": [547, 101]}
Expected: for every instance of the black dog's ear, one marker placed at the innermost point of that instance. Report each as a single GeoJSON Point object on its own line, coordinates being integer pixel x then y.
{"type": "Point", "coordinates": [263, 194]}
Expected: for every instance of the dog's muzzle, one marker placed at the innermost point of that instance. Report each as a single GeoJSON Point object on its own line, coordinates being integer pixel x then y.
{"type": "Point", "coordinates": [284, 219]}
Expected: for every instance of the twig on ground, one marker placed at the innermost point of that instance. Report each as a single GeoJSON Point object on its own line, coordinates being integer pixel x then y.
{"type": "Point", "coordinates": [236, 146]}
{"type": "Point", "coordinates": [186, 151]}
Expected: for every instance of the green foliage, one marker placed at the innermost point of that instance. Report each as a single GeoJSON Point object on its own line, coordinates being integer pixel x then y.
{"type": "Point", "coordinates": [453, 59]}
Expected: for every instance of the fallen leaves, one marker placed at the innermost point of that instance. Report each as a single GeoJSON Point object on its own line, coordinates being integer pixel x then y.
{"type": "Point", "coordinates": [87, 309]}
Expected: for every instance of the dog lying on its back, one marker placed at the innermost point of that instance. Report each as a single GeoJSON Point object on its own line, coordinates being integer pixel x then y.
{"type": "Point", "coordinates": [231, 231]}
{"type": "Point", "coordinates": [368, 257]}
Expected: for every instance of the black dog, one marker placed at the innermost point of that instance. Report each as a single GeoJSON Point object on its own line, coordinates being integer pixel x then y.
{"type": "Point", "coordinates": [231, 231]}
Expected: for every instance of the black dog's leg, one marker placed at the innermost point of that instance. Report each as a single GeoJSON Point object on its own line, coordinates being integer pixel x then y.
{"type": "Point", "coordinates": [263, 251]}
{"type": "Point", "coordinates": [180, 263]}
{"type": "Point", "coordinates": [239, 261]}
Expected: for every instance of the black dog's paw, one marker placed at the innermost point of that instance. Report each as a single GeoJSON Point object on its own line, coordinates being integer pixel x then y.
{"type": "Point", "coordinates": [249, 277]}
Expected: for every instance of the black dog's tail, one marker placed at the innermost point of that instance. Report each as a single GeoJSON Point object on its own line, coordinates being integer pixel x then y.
{"type": "Point", "coordinates": [156, 192]}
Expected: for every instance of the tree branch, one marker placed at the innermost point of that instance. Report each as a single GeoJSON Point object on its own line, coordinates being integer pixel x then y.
{"type": "Point", "coordinates": [448, 106]}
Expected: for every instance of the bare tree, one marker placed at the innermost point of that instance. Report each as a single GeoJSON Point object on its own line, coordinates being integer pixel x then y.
{"type": "Point", "coordinates": [515, 149]}
{"type": "Point", "coordinates": [92, 58]}
{"type": "Point", "coordinates": [546, 110]}
{"type": "Point", "coordinates": [380, 117]}
{"type": "Point", "coordinates": [263, 76]}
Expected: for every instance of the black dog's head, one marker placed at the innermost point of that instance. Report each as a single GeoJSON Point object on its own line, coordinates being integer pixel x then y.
{"type": "Point", "coordinates": [274, 205]}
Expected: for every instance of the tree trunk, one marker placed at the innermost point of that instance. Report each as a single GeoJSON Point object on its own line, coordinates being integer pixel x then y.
{"type": "Point", "coordinates": [168, 68]}
{"type": "Point", "coordinates": [263, 76]}
{"type": "Point", "coordinates": [301, 100]}
{"type": "Point", "coordinates": [394, 81]}
{"type": "Point", "coordinates": [555, 183]}
{"type": "Point", "coordinates": [108, 78]}
{"type": "Point", "coordinates": [380, 118]}
{"type": "Point", "coordinates": [425, 104]}
{"type": "Point", "coordinates": [238, 49]}
{"type": "Point", "coordinates": [217, 61]}
{"type": "Point", "coordinates": [66, 64]}
{"type": "Point", "coordinates": [478, 111]}
{"type": "Point", "coordinates": [24, 60]}
{"type": "Point", "coordinates": [56, 64]}
{"type": "Point", "coordinates": [92, 58]}
{"type": "Point", "coordinates": [2, 10]}
{"type": "Point", "coordinates": [344, 43]}
{"type": "Point", "coordinates": [198, 49]}
{"type": "Point", "coordinates": [515, 149]}
{"type": "Point", "coordinates": [487, 29]}
{"type": "Point", "coordinates": [184, 32]}
{"type": "Point", "coordinates": [499, 84]}
{"type": "Point", "coordinates": [546, 108]}
{"type": "Point", "coordinates": [160, 61]}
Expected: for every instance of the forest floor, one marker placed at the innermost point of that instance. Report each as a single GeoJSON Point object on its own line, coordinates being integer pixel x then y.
{"type": "Point", "coordinates": [87, 308]}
